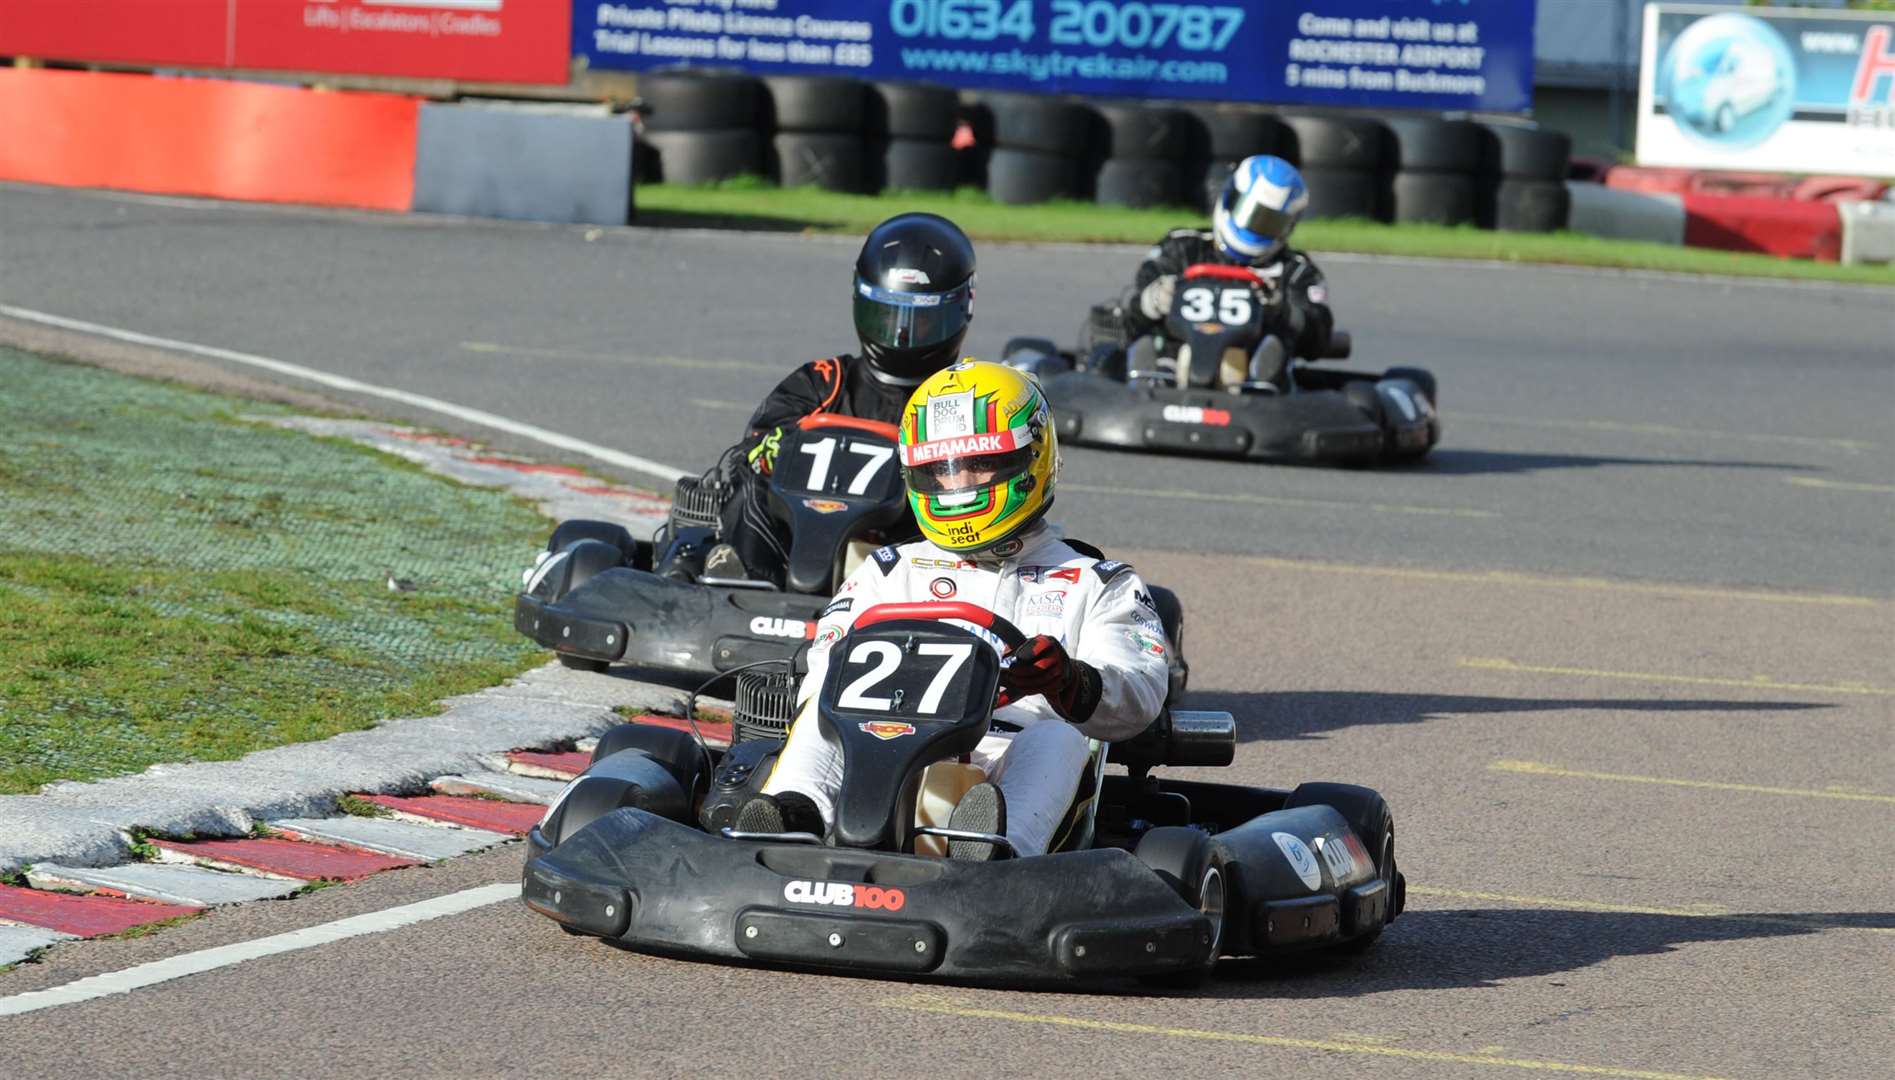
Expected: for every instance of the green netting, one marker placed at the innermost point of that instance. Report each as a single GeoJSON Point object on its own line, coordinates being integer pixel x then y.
{"type": "Point", "coordinates": [177, 582]}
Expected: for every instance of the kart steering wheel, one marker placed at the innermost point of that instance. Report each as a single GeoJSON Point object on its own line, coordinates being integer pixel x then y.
{"type": "Point", "coordinates": [960, 610]}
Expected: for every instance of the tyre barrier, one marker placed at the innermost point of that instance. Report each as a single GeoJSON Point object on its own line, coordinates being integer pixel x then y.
{"type": "Point", "coordinates": [700, 157]}
{"type": "Point", "coordinates": [1039, 145]}
{"type": "Point", "coordinates": [700, 126]}
{"type": "Point", "coordinates": [1227, 134]}
{"type": "Point", "coordinates": [1344, 161]}
{"type": "Point", "coordinates": [1521, 179]}
{"type": "Point", "coordinates": [911, 127]}
{"type": "Point", "coordinates": [1434, 163]}
{"type": "Point", "coordinates": [1141, 147]}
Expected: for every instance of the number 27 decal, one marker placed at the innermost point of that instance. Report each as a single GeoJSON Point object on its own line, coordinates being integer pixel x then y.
{"type": "Point", "coordinates": [856, 694]}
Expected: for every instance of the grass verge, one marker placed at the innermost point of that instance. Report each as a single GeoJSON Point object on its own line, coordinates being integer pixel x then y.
{"type": "Point", "coordinates": [747, 204]}
{"type": "Point", "coordinates": [181, 582]}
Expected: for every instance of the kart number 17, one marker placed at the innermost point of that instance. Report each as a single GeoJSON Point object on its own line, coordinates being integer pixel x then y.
{"type": "Point", "coordinates": [856, 694]}
{"type": "Point", "coordinates": [824, 451]}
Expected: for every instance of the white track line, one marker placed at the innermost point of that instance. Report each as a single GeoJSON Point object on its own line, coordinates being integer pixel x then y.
{"type": "Point", "coordinates": [197, 963]}
{"type": "Point", "coordinates": [606, 454]}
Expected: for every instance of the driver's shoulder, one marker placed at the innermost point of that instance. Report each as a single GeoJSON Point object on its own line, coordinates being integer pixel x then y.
{"type": "Point", "coordinates": [1086, 557]}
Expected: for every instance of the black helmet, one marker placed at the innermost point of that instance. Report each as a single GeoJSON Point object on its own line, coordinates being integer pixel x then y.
{"type": "Point", "coordinates": [914, 295]}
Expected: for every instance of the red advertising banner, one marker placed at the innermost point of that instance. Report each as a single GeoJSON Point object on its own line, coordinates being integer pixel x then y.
{"type": "Point", "coordinates": [524, 41]}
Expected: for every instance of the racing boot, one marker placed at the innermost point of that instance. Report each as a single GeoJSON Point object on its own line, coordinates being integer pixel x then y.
{"type": "Point", "coordinates": [724, 563]}
{"type": "Point", "coordinates": [790, 811]}
{"type": "Point", "coordinates": [983, 810]}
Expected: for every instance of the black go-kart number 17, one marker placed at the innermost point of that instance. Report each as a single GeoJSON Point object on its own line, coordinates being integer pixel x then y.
{"type": "Point", "coordinates": [839, 466]}
{"type": "Point", "coordinates": [1231, 305]}
{"type": "Point", "coordinates": [916, 682]}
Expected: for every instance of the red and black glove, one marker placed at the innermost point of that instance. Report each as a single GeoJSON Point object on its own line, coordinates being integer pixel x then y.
{"type": "Point", "coordinates": [1041, 665]}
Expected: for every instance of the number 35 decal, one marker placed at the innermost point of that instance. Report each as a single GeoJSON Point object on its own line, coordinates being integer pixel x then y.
{"type": "Point", "coordinates": [1229, 306]}
{"type": "Point", "coordinates": [856, 694]}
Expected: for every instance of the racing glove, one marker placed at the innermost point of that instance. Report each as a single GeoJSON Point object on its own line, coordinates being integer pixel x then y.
{"type": "Point", "coordinates": [762, 456]}
{"type": "Point", "coordinates": [1154, 301]}
{"type": "Point", "coordinates": [1041, 665]}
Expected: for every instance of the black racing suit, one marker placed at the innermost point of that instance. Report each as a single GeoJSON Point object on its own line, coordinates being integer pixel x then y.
{"type": "Point", "coordinates": [751, 524]}
{"type": "Point", "coordinates": [1306, 322]}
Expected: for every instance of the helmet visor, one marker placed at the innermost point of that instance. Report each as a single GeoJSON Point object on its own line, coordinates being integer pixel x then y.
{"type": "Point", "coordinates": [947, 476]}
{"type": "Point", "coordinates": [904, 320]}
{"type": "Point", "coordinates": [1252, 213]}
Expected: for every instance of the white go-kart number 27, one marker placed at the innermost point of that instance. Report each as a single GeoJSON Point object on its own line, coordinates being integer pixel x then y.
{"type": "Point", "coordinates": [824, 451]}
{"type": "Point", "coordinates": [1229, 306]}
{"type": "Point", "coordinates": [856, 694]}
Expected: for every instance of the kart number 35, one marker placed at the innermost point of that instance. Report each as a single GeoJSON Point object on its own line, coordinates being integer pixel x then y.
{"type": "Point", "coordinates": [1231, 306]}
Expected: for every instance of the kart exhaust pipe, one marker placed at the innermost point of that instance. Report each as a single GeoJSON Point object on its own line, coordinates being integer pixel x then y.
{"type": "Point", "coordinates": [1201, 738]}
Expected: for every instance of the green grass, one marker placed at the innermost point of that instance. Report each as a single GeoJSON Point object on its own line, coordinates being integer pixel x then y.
{"type": "Point", "coordinates": [179, 582]}
{"type": "Point", "coordinates": [748, 204]}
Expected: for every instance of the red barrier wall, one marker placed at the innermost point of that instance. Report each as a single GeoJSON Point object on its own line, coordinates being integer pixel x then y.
{"type": "Point", "coordinates": [1782, 227]}
{"type": "Point", "coordinates": [228, 140]}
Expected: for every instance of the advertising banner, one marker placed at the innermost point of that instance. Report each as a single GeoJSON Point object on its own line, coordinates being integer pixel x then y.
{"type": "Point", "coordinates": [522, 41]}
{"type": "Point", "coordinates": [1775, 91]}
{"type": "Point", "coordinates": [1403, 54]}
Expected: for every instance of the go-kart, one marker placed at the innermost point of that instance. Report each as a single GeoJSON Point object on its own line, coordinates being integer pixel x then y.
{"type": "Point", "coordinates": [1232, 389]}
{"type": "Point", "coordinates": [1147, 878]}
{"type": "Point", "coordinates": [597, 596]}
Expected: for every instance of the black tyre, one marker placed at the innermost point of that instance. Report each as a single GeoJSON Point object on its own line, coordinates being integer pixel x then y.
{"type": "Point", "coordinates": [914, 165]}
{"type": "Point", "coordinates": [1421, 377]}
{"type": "Point", "coordinates": [912, 111]}
{"type": "Point", "coordinates": [1373, 822]}
{"type": "Point", "coordinates": [1024, 344]}
{"type": "Point", "coordinates": [815, 103]}
{"type": "Point", "coordinates": [1046, 125]}
{"type": "Point", "coordinates": [1193, 864]}
{"type": "Point", "coordinates": [1537, 206]}
{"type": "Point", "coordinates": [625, 779]}
{"type": "Point", "coordinates": [1027, 176]}
{"type": "Point", "coordinates": [1138, 182]}
{"type": "Point", "coordinates": [644, 161]}
{"type": "Point", "coordinates": [1335, 193]}
{"type": "Point", "coordinates": [828, 161]}
{"type": "Point", "coordinates": [699, 157]}
{"type": "Point", "coordinates": [585, 529]}
{"type": "Point", "coordinates": [1144, 133]}
{"type": "Point", "coordinates": [583, 663]}
{"type": "Point", "coordinates": [700, 100]}
{"type": "Point", "coordinates": [677, 751]}
{"type": "Point", "coordinates": [1434, 198]}
{"type": "Point", "coordinates": [1206, 182]}
{"type": "Point", "coordinates": [1526, 153]}
{"type": "Point", "coordinates": [1427, 145]}
{"type": "Point", "coordinates": [1236, 132]}
{"type": "Point", "coordinates": [1325, 142]}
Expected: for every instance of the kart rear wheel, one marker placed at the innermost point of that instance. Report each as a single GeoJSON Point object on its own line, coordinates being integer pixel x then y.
{"type": "Point", "coordinates": [1374, 824]}
{"type": "Point", "coordinates": [1193, 864]}
{"type": "Point", "coordinates": [677, 751]}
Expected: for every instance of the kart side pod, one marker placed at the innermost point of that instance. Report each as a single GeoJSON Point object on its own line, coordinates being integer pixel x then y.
{"type": "Point", "coordinates": [1180, 738]}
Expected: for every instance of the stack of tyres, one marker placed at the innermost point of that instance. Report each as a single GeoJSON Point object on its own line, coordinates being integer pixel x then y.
{"type": "Point", "coordinates": [1226, 135]}
{"type": "Point", "coordinates": [1138, 153]}
{"type": "Point", "coordinates": [1039, 145]}
{"type": "Point", "coordinates": [1344, 161]}
{"type": "Point", "coordinates": [1434, 164]}
{"type": "Point", "coordinates": [911, 130]}
{"type": "Point", "coordinates": [1522, 182]}
{"type": "Point", "coordinates": [817, 123]}
{"type": "Point", "coordinates": [699, 126]}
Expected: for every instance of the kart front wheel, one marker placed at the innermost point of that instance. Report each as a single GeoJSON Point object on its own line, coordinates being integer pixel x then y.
{"type": "Point", "coordinates": [1193, 864]}
{"type": "Point", "coordinates": [1373, 823]}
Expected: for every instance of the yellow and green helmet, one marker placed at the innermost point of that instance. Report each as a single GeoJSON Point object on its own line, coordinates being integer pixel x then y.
{"type": "Point", "coordinates": [979, 454]}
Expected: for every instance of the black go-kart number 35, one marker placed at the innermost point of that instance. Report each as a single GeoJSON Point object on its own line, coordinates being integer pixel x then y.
{"type": "Point", "coordinates": [1229, 305]}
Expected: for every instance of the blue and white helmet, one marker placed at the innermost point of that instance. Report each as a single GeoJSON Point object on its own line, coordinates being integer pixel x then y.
{"type": "Point", "coordinates": [1259, 208]}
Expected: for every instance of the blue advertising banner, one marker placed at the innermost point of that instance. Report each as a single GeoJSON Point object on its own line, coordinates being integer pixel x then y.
{"type": "Point", "coordinates": [1779, 91]}
{"type": "Point", "coordinates": [1404, 54]}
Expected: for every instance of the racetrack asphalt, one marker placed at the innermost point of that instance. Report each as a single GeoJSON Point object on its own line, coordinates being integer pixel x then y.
{"type": "Point", "coordinates": [1630, 697]}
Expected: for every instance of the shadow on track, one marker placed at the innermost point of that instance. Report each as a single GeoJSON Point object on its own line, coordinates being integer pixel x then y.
{"type": "Point", "coordinates": [693, 219]}
{"type": "Point", "coordinates": [1480, 947]}
{"type": "Point", "coordinates": [1456, 461]}
{"type": "Point", "coordinates": [1265, 716]}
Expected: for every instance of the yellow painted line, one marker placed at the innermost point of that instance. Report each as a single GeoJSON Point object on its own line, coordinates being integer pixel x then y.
{"type": "Point", "coordinates": [1840, 485]}
{"type": "Point", "coordinates": [1534, 768]}
{"type": "Point", "coordinates": [1852, 445]}
{"type": "Point", "coordinates": [1695, 911]}
{"type": "Point", "coordinates": [1534, 581]}
{"type": "Point", "coordinates": [1279, 500]}
{"type": "Point", "coordinates": [946, 1006]}
{"type": "Point", "coordinates": [627, 359]}
{"type": "Point", "coordinates": [1755, 682]}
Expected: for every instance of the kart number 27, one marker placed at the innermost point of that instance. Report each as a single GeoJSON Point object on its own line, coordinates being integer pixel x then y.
{"type": "Point", "coordinates": [886, 656]}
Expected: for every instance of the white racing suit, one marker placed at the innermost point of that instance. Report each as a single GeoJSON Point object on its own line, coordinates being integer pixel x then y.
{"type": "Point", "coordinates": [1098, 609]}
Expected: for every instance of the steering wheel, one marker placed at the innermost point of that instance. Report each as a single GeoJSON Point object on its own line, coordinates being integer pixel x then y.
{"type": "Point", "coordinates": [821, 420]}
{"type": "Point", "coordinates": [959, 610]}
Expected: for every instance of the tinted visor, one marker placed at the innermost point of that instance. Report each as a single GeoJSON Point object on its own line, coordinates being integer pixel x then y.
{"type": "Point", "coordinates": [902, 320]}
{"type": "Point", "coordinates": [1251, 214]}
{"type": "Point", "coordinates": [970, 473]}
